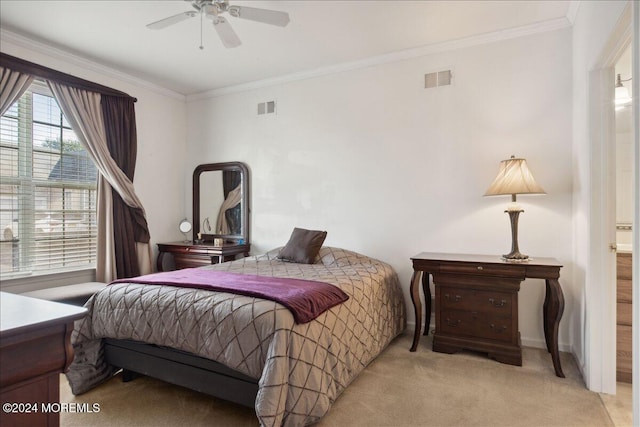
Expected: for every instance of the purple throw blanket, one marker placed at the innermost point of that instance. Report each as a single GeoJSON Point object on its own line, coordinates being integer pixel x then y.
{"type": "Point", "coordinates": [306, 299]}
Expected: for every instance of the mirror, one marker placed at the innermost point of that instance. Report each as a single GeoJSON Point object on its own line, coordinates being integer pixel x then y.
{"type": "Point", "coordinates": [185, 227]}
{"type": "Point", "coordinates": [221, 202]}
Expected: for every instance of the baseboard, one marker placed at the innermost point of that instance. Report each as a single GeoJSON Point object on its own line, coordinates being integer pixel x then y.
{"type": "Point", "coordinates": [526, 342]}
{"type": "Point", "coordinates": [540, 343]}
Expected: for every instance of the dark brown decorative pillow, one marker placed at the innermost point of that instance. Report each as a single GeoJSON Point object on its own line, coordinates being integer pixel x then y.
{"type": "Point", "coordinates": [303, 246]}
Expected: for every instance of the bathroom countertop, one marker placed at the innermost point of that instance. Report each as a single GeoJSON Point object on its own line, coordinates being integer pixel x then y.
{"type": "Point", "coordinates": [623, 248]}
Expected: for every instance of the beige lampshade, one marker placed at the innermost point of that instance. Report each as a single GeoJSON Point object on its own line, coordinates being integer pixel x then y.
{"type": "Point", "coordinates": [514, 177]}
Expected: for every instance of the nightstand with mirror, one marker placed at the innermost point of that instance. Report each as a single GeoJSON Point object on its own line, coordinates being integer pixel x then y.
{"type": "Point", "coordinates": [220, 218]}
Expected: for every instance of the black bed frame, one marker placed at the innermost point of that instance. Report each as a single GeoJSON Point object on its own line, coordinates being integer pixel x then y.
{"type": "Point", "coordinates": [181, 368]}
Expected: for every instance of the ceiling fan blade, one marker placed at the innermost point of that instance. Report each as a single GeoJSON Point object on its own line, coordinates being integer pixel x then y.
{"type": "Point", "coordinates": [265, 16]}
{"type": "Point", "coordinates": [163, 23]}
{"type": "Point", "coordinates": [225, 32]}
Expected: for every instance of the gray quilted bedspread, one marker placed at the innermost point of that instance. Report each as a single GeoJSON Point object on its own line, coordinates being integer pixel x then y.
{"type": "Point", "coordinates": [301, 368]}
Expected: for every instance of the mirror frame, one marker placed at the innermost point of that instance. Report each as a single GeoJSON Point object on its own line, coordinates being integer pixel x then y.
{"type": "Point", "coordinates": [227, 166]}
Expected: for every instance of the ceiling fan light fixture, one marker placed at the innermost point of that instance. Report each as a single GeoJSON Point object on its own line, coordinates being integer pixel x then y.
{"type": "Point", "coordinates": [213, 9]}
{"type": "Point", "coordinates": [210, 11]}
{"type": "Point", "coordinates": [234, 11]}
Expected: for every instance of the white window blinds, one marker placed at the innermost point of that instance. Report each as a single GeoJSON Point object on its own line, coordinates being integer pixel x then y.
{"type": "Point", "coordinates": [47, 190]}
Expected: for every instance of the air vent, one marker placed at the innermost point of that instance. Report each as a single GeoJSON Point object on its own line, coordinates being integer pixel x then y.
{"type": "Point", "coordinates": [439, 78]}
{"type": "Point", "coordinates": [268, 107]}
{"type": "Point", "coordinates": [431, 80]}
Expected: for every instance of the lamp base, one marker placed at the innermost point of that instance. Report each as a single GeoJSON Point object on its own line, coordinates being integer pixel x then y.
{"type": "Point", "coordinates": [515, 254]}
{"type": "Point", "coordinates": [518, 257]}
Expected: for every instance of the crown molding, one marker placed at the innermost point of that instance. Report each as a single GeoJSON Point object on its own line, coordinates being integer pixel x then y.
{"type": "Point", "coordinates": [66, 56]}
{"type": "Point", "coordinates": [572, 12]}
{"type": "Point", "coordinates": [619, 40]}
{"type": "Point", "coordinates": [495, 36]}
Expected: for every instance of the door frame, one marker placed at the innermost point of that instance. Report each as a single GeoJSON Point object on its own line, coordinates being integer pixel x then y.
{"type": "Point", "coordinates": [600, 333]}
{"type": "Point", "coordinates": [636, 214]}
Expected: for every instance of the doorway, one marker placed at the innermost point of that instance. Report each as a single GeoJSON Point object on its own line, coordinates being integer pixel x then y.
{"type": "Point", "coordinates": [625, 199]}
{"type": "Point", "coordinates": [601, 299]}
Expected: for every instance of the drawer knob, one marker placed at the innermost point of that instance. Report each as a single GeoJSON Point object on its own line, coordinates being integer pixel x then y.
{"type": "Point", "coordinates": [453, 323]}
{"type": "Point", "coordinates": [498, 330]}
{"type": "Point", "coordinates": [480, 268]}
{"type": "Point", "coordinates": [502, 302]}
{"type": "Point", "coordinates": [455, 298]}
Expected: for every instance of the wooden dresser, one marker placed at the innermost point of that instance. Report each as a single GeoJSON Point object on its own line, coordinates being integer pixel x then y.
{"type": "Point", "coordinates": [624, 329]}
{"type": "Point", "coordinates": [473, 311]}
{"type": "Point", "coordinates": [477, 303]}
{"type": "Point", "coordinates": [188, 254]}
{"type": "Point", "coordinates": [34, 350]}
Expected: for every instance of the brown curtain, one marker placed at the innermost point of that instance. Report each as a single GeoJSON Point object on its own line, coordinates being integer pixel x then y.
{"type": "Point", "coordinates": [233, 200]}
{"type": "Point", "coordinates": [129, 223]}
{"type": "Point", "coordinates": [104, 120]}
{"type": "Point", "coordinates": [84, 112]}
{"type": "Point", "coordinates": [232, 221]}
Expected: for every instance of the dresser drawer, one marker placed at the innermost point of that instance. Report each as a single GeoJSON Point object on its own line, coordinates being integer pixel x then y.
{"type": "Point", "coordinates": [478, 325]}
{"type": "Point", "coordinates": [624, 346]}
{"type": "Point", "coordinates": [480, 269]}
{"type": "Point", "coordinates": [624, 290]}
{"type": "Point", "coordinates": [474, 300]}
{"type": "Point", "coordinates": [624, 313]}
{"type": "Point", "coordinates": [497, 329]}
{"type": "Point", "coordinates": [191, 261]}
{"type": "Point", "coordinates": [460, 323]}
{"type": "Point", "coordinates": [623, 266]}
{"type": "Point", "coordinates": [187, 254]}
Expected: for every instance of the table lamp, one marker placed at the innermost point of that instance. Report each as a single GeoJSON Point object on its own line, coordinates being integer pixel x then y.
{"type": "Point", "coordinates": [514, 178]}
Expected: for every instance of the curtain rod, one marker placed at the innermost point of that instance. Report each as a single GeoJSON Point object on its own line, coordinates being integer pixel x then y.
{"type": "Point", "coordinates": [46, 73]}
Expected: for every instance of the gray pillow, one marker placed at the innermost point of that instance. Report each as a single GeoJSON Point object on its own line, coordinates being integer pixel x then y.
{"type": "Point", "coordinates": [303, 246]}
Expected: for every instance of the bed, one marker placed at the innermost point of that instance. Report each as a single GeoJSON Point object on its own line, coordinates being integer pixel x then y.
{"type": "Point", "coordinates": [245, 349]}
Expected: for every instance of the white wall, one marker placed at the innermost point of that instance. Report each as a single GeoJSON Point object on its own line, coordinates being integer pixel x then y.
{"type": "Point", "coordinates": [592, 29]}
{"type": "Point", "coordinates": [624, 179]}
{"type": "Point", "coordinates": [161, 127]}
{"type": "Point", "coordinates": [390, 169]}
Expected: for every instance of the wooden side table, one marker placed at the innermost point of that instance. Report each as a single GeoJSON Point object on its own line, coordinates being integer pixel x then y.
{"type": "Point", "coordinates": [477, 303]}
{"type": "Point", "coordinates": [188, 254]}
{"type": "Point", "coordinates": [34, 349]}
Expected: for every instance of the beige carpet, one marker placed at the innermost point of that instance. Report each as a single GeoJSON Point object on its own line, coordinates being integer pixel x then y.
{"type": "Point", "coordinates": [398, 389]}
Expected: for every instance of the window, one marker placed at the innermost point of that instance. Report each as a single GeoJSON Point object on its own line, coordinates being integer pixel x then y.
{"type": "Point", "coordinates": [47, 190]}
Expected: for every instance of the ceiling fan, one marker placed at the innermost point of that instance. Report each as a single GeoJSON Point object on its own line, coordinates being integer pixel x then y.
{"type": "Point", "coordinates": [214, 9]}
